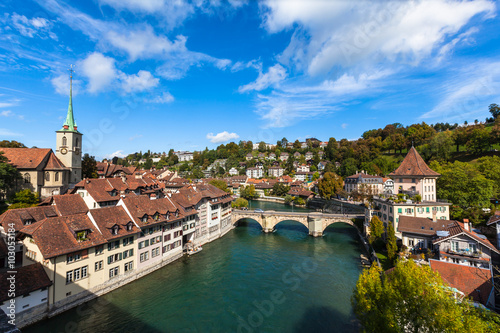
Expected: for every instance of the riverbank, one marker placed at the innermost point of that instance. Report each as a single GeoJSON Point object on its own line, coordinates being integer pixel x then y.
{"type": "Point", "coordinates": [284, 281]}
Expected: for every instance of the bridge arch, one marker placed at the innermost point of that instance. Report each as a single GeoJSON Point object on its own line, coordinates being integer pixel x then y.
{"type": "Point", "coordinates": [329, 222]}
{"type": "Point", "coordinates": [296, 222]}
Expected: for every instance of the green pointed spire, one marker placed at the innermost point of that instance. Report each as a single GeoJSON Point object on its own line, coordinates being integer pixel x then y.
{"type": "Point", "coordinates": [70, 124]}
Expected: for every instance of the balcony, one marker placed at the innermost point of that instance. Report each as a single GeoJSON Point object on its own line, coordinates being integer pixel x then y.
{"type": "Point", "coordinates": [465, 252]}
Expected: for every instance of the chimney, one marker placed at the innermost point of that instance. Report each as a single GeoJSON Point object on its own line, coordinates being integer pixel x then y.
{"type": "Point", "coordinates": [466, 224]}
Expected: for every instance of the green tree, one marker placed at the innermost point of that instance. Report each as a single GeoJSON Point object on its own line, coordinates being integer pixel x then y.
{"type": "Point", "coordinates": [329, 185]}
{"type": "Point", "coordinates": [9, 176]}
{"type": "Point", "coordinates": [24, 198]}
{"type": "Point", "coordinates": [280, 189]}
{"type": "Point", "coordinates": [460, 136]}
{"type": "Point", "coordinates": [348, 167]}
{"type": "Point", "coordinates": [148, 164]}
{"type": "Point", "coordinates": [248, 192]}
{"type": "Point", "coordinates": [262, 146]}
{"type": "Point", "coordinates": [299, 201]}
{"type": "Point", "coordinates": [463, 185]}
{"type": "Point", "coordinates": [494, 110]}
{"type": "Point", "coordinates": [239, 203]}
{"type": "Point", "coordinates": [220, 184]}
{"type": "Point", "coordinates": [441, 144]}
{"type": "Point", "coordinates": [479, 140]}
{"type": "Point", "coordinates": [489, 166]}
{"type": "Point", "coordinates": [392, 247]}
{"type": "Point", "coordinates": [11, 144]}
{"type": "Point", "coordinates": [413, 298]}
{"type": "Point", "coordinates": [376, 229]}
{"type": "Point", "coordinates": [89, 167]}
{"type": "Point", "coordinates": [288, 199]}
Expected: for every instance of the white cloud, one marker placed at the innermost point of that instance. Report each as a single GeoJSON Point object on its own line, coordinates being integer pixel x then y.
{"type": "Point", "coordinates": [8, 133]}
{"type": "Point", "coordinates": [344, 125]}
{"type": "Point", "coordinates": [222, 137]}
{"type": "Point", "coordinates": [30, 27]}
{"type": "Point", "coordinates": [6, 113]}
{"type": "Point", "coordinates": [118, 153]}
{"type": "Point", "coordinates": [138, 41]}
{"type": "Point", "coordinates": [61, 84]}
{"type": "Point", "coordinates": [274, 75]}
{"type": "Point", "coordinates": [100, 71]}
{"type": "Point", "coordinates": [467, 93]}
{"type": "Point", "coordinates": [164, 98]}
{"type": "Point", "coordinates": [343, 33]}
{"type": "Point", "coordinates": [141, 81]}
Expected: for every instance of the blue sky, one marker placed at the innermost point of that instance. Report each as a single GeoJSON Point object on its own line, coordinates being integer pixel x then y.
{"type": "Point", "coordinates": [158, 74]}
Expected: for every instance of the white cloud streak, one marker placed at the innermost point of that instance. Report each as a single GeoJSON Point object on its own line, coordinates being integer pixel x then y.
{"type": "Point", "coordinates": [222, 137]}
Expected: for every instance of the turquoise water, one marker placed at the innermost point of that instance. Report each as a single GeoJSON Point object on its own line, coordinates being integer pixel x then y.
{"type": "Point", "coordinates": [247, 281]}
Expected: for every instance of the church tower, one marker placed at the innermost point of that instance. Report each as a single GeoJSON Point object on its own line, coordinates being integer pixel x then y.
{"type": "Point", "coordinates": [69, 141]}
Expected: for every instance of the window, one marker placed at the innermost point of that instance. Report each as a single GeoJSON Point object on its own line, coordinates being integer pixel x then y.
{"type": "Point", "coordinates": [167, 237]}
{"type": "Point", "coordinates": [141, 245]}
{"type": "Point", "coordinates": [77, 274]}
{"type": "Point", "coordinates": [145, 219]}
{"type": "Point", "coordinates": [144, 256]}
{"type": "Point", "coordinates": [472, 247]}
{"type": "Point", "coordinates": [98, 265]}
{"type": "Point", "coordinates": [129, 266]}
{"type": "Point", "coordinates": [84, 271]}
{"type": "Point", "coordinates": [155, 252]}
{"type": "Point", "coordinates": [56, 177]}
{"type": "Point", "coordinates": [47, 176]}
{"type": "Point", "coordinates": [99, 249]}
{"type": "Point", "coordinates": [400, 210]}
{"type": "Point", "coordinates": [113, 272]}
{"type": "Point", "coordinates": [69, 277]}
{"type": "Point", "coordinates": [128, 253]}
{"type": "Point", "coordinates": [27, 178]}
{"type": "Point", "coordinates": [455, 246]}
{"type": "Point", "coordinates": [64, 141]}
{"type": "Point", "coordinates": [114, 230]}
{"type": "Point", "coordinates": [77, 142]}
{"type": "Point", "coordinates": [130, 226]}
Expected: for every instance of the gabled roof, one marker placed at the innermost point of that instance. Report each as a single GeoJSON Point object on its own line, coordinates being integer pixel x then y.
{"type": "Point", "coordinates": [68, 204]}
{"type": "Point", "coordinates": [456, 228]}
{"type": "Point", "coordinates": [494, 219]}
{"type": "Point", "coordinates": [413, 165]}
{"type": "Point", "coordinates": [21, 215]}
{"type": "Point", "coordinates": [28, 279]}
{"type": "Point", "coordinates": [54, 163]}
{"type": "Point", "coordinates": [26, 158]}
{"type": "Point", "coordinates": [421, 225]}
{"type": "Point", "coordinates": [57, 236]}
{"type": "Point", "coordinates": [473, 281]}
{"type": "Point", "coordinates": [107, 217]}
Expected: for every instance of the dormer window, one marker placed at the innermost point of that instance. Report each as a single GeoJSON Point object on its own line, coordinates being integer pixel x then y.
{"type": "Point", "coordinates": [129, 226]}
{"type": "Point", "coordinates": [156, 217]}
{"type": "Point", "coordinates": [145, 218]}
{"type": "Point", "coordinates": [82, 235]}
{"type": "Point", "coordinates": [176, 213]}
{"type": "Point", "coordinates": [114, 230]}
{"type": "Point", "coordinates": [28, 222]}
{"type": "Point", "coordinates": [167, 216]}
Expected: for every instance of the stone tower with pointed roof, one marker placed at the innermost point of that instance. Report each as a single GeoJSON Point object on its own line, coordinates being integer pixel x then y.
{"type": "Point", "coordinates": [69, 141]}
{"type": "Point", "coordinates": [414, 176]}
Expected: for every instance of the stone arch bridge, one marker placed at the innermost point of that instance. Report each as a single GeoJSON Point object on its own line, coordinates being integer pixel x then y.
{"type": "Point", "coordinates": [315, 222]}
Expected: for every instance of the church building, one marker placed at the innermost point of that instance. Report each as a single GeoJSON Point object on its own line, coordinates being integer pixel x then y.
{"type": "Point", "coordinates": [43, 171]}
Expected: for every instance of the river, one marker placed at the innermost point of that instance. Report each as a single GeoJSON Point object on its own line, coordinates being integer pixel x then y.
{"type": "Point", "coordinates": [247, 281]}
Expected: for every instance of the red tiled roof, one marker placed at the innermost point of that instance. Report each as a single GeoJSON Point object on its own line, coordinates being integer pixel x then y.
{"type": "Point", "coordinates": [57, 236]}
{"type": "Point", "coordinates": [494, 219]}
{"type": "Point", "coordinates": [413, 165]}
{"type": "Point", "coordinates": [54, 163]}
{"type": "Point", "coordinates": [69, 204]}
{"type": "Point", "coordinates": [421, 225]}
{"type": "Point", "coordinates": [26, 158]}
{"type": "Point", "coordinates": [28, 279]}
{"type": "Point", "coordinates": [107, 218]}
{"type": "Point", "coordinates": [456, 228]}
{"type": "Point", "coordinates": [22, 215]}
{"type": "Point", "coordinates": [474, 282]}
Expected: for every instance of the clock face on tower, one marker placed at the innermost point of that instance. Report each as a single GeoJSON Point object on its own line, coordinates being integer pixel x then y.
{"type": "Point", "coordinates": [64, 151]}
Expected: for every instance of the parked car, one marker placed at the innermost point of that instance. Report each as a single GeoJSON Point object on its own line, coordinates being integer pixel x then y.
{"type": "Point", "coordinates": [258, 210]}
